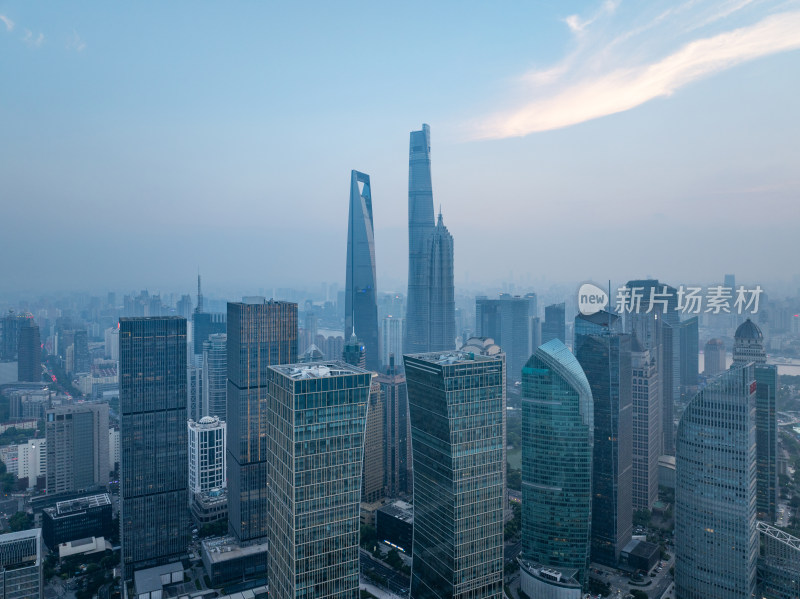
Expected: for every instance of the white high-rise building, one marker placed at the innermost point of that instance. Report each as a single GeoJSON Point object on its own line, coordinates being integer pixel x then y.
{"type": "Point", "coordinates": [206, 454]}
{"type": "Point", "coordinates": [113, 448]}
{"type": "Point", "coordinates": [392, 329]}
{"type": "Point", "coordinates": [32, 460]}
{"type": "Point", "coordinates": [112, 343]}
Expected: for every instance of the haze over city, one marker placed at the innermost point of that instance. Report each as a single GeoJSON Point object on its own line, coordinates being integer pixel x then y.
{"type": "Point", "coordinates": [570, 141]}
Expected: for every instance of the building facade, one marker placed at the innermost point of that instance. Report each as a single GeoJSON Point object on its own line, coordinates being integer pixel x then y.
{"type": "Point", "coordinates": [555, 324]}
{"type": "Point", "coordinates": [507, 321]}
{"type": "Point", "coordinates": [420, 228]}
{"type": "Point", "coordinates": [646, 427]}
{"type": "Point", "coordinates": [361, 305]}
{"type": "Point", "coordinates": [154, 519]}
{"type": "Point", "coordinates": [557, 442]}
{"type": "Point", "coordinates": [442, 304]}
{"type": "Point", "coordinates": [260, 333]}
{"type": "Point", "coordinates": [215, 376]}
{"type": "Point", "coordinates": [316, 422]}
{"type": "Point", "coordinates": [606, 361]}
{"type": "Point", "coordinates": [714, 357]}
{"type": "Point", "coordinates": [77, 519]}
{"type": "Point", "coordinates": [21, 565]}
{"type": "Point", "coordinates": [29, 361]}
{"type": "Point", "coordinates": [77, 448]}
{"type": "Point", "coordinates": [206, 454]}
{"type": "Point", "coordinates": [397, 431]}
{"type": "Point", "coordinates": [716, 541]}
{"type": "Point", "coordinates": [749, 348]}
{"type": "Point", "coordinates": [457, 408]}
{"type": "Point", "coordinates": [392, 331]}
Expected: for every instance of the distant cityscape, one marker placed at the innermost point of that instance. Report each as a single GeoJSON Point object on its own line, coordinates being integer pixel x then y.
{"type": "Point", "coordinates": [424, 442]}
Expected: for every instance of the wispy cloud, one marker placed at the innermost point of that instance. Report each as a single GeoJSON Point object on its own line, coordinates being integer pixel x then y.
{"type": "Point", "coordinates": [7, 22]}
{"type": "Point", "coordinates": [33, 40]}
{"type": "Point", "coordinates": [75, 42]}
{"type": "Point", "coordinates": [600, 79]}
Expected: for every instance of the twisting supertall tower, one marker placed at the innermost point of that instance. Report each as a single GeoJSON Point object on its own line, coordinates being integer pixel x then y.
{"type": "Point", "coordinates": [430, 312]}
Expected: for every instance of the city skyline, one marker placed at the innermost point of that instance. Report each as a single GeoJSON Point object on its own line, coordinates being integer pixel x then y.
{"type": "Point", "coordinates": [714, 146]}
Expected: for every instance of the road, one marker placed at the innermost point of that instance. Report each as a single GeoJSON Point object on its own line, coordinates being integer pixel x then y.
{"type": "Point", "coordinates": [396, 582]}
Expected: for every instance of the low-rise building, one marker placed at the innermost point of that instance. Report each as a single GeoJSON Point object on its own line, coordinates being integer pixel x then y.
{"type": "Point", "coordinates": [395, 525]}
{"type": "Point", "coordinates": [226, 561]}
{"type": "Point", "coordinates": [77, 519]}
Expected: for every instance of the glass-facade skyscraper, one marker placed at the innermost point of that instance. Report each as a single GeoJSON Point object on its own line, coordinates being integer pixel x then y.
{"type": "Point", "coordinates": [316, 421]}
{"type": "Point", "coordinates": [442, 302]}
{"type": "Point", "coordinates": [215, 376]}
{"type": "Point", "coordinates": [716, 540]}
{"type": "Point", "coordinates": [557, 441]}
{"type": "Point", "coordinates": [430, 311]}
{"type": "Point", "coordinates": [260, 333]}
{"type": "Point", "coordinates": [420, 227]}
{"type": "Point", "coordinates": [606, 361]}
{"type": "Point", "coordinates": [361, 306]}
{"type": "Point", "coordinates": [154, 518]}
{"type": "Point", "coordinates": [646, 426]}
{"type": "Point", "coordinates": [748, 346]}
{"type": "Point", "coordinates": [457, 403]}
{"type": "Point", "coordinates": [507, 320]}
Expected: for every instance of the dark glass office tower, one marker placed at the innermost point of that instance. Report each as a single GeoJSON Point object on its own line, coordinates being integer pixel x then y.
{"type": "Point", "coordinates": [654, 328]}
{"type": "Point", "coordinates": [29, 365]}
{"type": "Point", "coordinates": [557, 441]}
{"type": "Point", "coordinates": [215, 376]}
{"type": "Point", "coordinates": [260, 334]}
{"type": "Point", "coordinates": [420, 228]}
{"type": "Point", "coordinates": [716, 539]}
{"type": "Point", "coordinates": [316, 416]}
{"type": "Point", "coordinates": [507, 321]}
{"type": "Point", "coordinates": [154, 517]}
{"type": "Point", "coordinates": [397, 430]}
{"type": "Point", "coordinates": [606, 360]}
{"type": "Point", "coordinates": [555, 324]}
{"type": "Point", "coordinates": [442, 308]}
{"type": "Point", "coordinates": [456, 402]}
{"type": "Point", "coordinates": [748, 347]}
{"type": "Point", "coordinates": [361, 306]}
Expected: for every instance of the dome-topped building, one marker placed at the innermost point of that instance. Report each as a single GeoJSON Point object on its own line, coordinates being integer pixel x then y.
{"type": "Point", "coordinates": [748, 344]}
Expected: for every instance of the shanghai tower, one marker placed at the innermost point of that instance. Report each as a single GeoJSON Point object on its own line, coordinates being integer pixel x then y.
{"type": "Point", "coordinates": [420, 228]}
{"type": "Point", "coordinates": [361, 307]}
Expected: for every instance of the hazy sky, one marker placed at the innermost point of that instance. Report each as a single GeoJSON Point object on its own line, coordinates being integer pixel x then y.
{"type": "Point", "coordinates": [570, 140]}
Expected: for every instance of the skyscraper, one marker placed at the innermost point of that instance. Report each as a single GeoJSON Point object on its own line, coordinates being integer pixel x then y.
{"type": "Point", "coordinates": [361, 306]}
{"type": "Point", "coordinates": [690, 353]}
{"type": "Point", "coordinates": [392, 330]}
{"type": "Point", "coordinates": [153, 445]}
{"type": "Point", "coordinates": [716, 540]}
{"type": "Point", "coordinates": [206, 454]}
{"type": "Point", "coordinates": [397, 430]}
{"type": "Point", "coordinates": [507, 321]}
{"type": "Point", "coordinates": [260, 333]}
{"type": "Point", "coordinates": [83, 360]}
{"type": "Point", "coordinates": [29, 364]}
{"type": "Point", "coordinates": [554, 325]}
{"type": "Point", "coordinates": [442, 306]}
{"type": "Point", "coordinates": [714, 357]}
{"type": "Point", "coordinates": [748, 347]}
{"type": "Point", "coordinates": [606, 361]}
{"type": "Point", "coordinates": [420, 228]}
{"type": "Point", "coordinates": [646, 426]}
{"type": "Point", "coordinates": [372, 473]}
{"type": "Point", "coordinates": [77, 448]}
{"type": "Point", "coordinates": [316, 420]}
{"type": "Point", "coordinates": [557, 441]}
{"type": "Point", "coordinates": [457, 404]}
{"type": "Point", "coordinates": [215, 376]}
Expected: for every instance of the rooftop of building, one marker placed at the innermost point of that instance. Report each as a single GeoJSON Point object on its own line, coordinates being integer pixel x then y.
{"type": "Point", "coordinates": [400, 510]}
{"type": "Point", "coordinates": [456, 356]}
{"type": "Point", "coordinates": [206, 422]}
{"type": "Point", "coordinates": [639, 548]}
{"type": "Point", "coordinates": [600, 318]}
{"type": "Point", "coordinates": [20, 535]}
{"type": "Point", "coordinates": [71, 506]}
{"type": "Point", "coordinates": [317, 370]}
{"type": "Point", "coordinates": [149, 579]}
{"type": "Point", "coordinates": [749, 330]}
{"type": "Point", "coordinates": [716, 342]}
{"type": "Point", "coordinates": [555, 576]}
{"type": "Point", "coordinates": [221, 549]}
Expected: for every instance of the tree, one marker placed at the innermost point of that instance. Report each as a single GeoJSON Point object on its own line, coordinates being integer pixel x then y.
{"type": "Point", "coordinates": [368, 535]}
{"type": "Point", "coordinates": [20, 521]}
{"type": "Point", "coordinates": [638, 594]}
{"type": "Point", "coordinates": [642, 518]}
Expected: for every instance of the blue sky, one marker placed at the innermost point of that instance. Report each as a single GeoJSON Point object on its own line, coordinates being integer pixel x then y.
{"type": "Point", "coordinates": [570, 140]}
